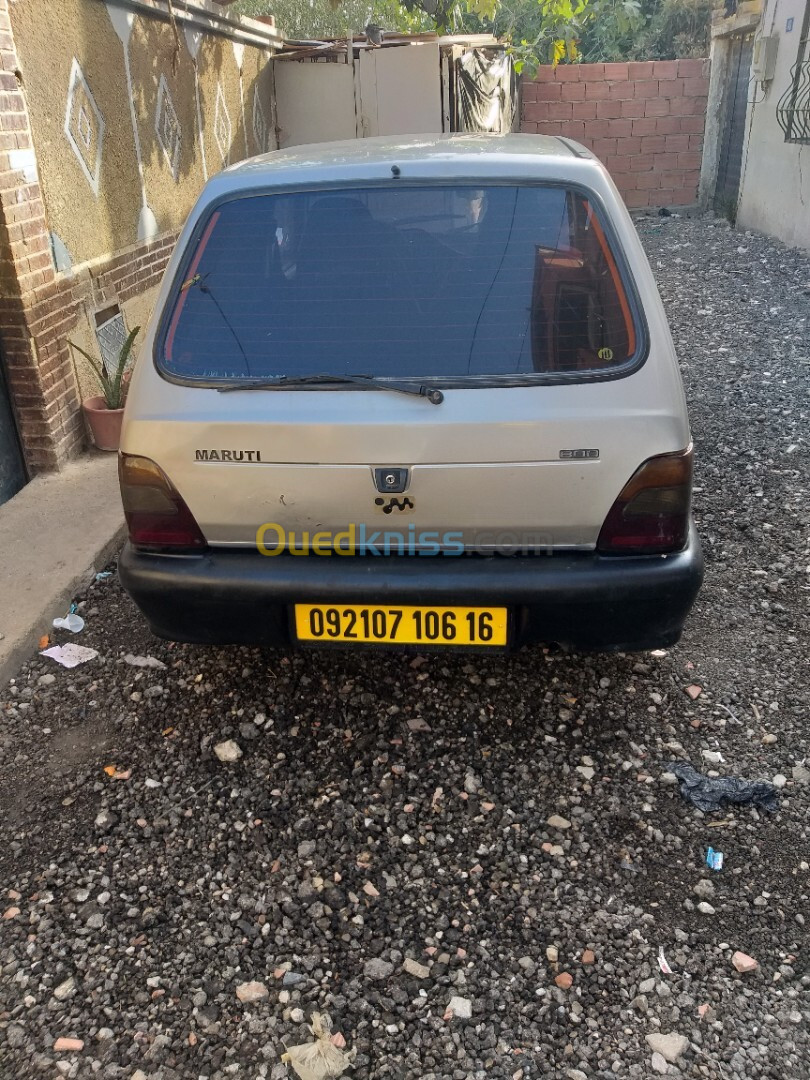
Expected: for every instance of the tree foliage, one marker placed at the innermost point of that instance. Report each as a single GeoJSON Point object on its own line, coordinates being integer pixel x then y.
{"type": "Point", "coordinates": [551, 31]}
{"type": "Point", "coordinates": [544, 31]}
{"type": "Point", "coordinates": [665, 30]}
{"type": "Point", "coordinates": [540, 31]}
{"type": "Point", "coordinates": [314, 19]}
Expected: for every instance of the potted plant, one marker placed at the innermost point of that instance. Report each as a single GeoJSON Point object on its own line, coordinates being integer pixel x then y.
{"type": "Point", "coordinates": [105, 411]}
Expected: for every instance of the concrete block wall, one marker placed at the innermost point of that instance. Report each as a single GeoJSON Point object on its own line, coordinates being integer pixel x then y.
{"type": "Point", "coordinates": [643, 120]}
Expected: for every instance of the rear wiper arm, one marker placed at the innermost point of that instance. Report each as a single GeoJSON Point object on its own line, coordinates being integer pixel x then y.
{"type": "Point", "coordinates": [287, 382]}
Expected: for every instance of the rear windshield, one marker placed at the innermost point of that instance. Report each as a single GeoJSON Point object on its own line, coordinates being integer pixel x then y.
{"type": "Point", "coordinates": [403, 281]}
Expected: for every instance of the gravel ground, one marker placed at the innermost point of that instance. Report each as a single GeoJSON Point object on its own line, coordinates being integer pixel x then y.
{"type": "Point", "coordinates": [506, 823]}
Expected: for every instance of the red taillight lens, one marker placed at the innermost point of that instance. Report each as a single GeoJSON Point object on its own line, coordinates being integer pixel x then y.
{"type": "Point", "coordinates": [157, 517]}
{"type": "Point", "coordinates": [651, 515]}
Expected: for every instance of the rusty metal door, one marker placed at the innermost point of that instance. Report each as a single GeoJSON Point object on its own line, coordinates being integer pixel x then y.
{"type": "Point", "coordinates": [12, 467]}
{"type": "Point", "coordinates": [735, 110]}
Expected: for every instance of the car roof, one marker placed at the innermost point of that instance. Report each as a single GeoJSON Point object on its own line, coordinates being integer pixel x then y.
{"type": "Point", "coordinates": [467, 157]}
{"type": "Point", "coordinates": [399, 149]}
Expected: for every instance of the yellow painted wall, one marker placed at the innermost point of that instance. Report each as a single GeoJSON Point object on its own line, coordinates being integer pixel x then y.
{"type": "Point", "coordinates": [150, 64]}
{"type": "Point", "coordinates": [94, 211]}
{"type": "Point", "coordinates": [220, 95]}
{"type": "Point", "coordinates": [48, 37]}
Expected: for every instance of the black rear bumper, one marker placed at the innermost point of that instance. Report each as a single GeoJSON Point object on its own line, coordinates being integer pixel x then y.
{"type": "Point", "coordinates": [580, 600]}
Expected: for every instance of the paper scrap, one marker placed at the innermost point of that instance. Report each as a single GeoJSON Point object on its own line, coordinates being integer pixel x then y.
{"type": "Point", "coordinates": [70, 655]}
{"type": "Point", "coordinates": [662, 962]}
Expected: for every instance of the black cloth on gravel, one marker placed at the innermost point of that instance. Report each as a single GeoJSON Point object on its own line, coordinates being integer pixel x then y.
{"type": "Point", "coordinates": [708, 793]}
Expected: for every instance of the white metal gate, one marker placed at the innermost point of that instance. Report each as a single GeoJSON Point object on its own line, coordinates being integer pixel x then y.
{"type": "Point", "coordinates": [400, 91]}
{"type": "Point", "coordinates": [391, 91]}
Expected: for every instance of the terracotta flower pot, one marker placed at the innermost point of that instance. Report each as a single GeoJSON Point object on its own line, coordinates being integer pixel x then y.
{"type": "Point", "coordinates": [105, 423]}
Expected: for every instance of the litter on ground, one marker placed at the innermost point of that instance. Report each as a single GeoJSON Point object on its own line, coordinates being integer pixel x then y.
{"type": "Point", "coordinates": [662, 961]}
{"type": "Point", "coordinates": [70, 655]}
{"type": "Point", "coordinates": [319, 1060]}
{"type": "Point", "coordinates": [144, 661]}
{"type": "Point", "coordinates": [714, 859]}
{"type": "Point", "coordinates": [708, 793]}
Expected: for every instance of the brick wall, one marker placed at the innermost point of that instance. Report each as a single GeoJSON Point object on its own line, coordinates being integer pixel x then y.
{"type": "Point", "coordinates": [35, 327]}
{"type": "Point", "coordinates": [54, 312]}
{"type": "Point", "coordinates": [90, 210]}
{"type": "Point", "coordinates": [42, 390]}
{"type": "Point", "coordinates": [39, 308]}
{"type": "Point", "coordinates": [643, 120]}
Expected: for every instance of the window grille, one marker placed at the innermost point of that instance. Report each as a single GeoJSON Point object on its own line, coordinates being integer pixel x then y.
{"type": "Point", "coordinates": [793, 110]}
{"type": "Point", "coordinates": [111, 333]}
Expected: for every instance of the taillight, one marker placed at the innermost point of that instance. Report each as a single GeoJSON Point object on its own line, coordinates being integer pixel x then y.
{"type": "Point", "coordinates": [651, 515]}
{"type": "Point", "coordinates": [157, 517]}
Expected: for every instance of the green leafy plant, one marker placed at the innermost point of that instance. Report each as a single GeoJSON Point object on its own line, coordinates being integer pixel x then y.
{"type": "Point", "coordinates": [659, 30]}
{"type": "Point", "coordinates": [113, 386]}
{"type": "Point", "coordinates": [540, 31]}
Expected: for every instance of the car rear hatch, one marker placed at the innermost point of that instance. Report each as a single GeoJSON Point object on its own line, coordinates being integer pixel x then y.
{"type": "Point", "coordinates": [515, 301]}
{"type": "Point", "coordinates": [504, 469]}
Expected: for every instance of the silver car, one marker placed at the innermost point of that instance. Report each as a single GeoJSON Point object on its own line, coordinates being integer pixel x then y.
{"type": "Point", "coordinates": [412, 391]}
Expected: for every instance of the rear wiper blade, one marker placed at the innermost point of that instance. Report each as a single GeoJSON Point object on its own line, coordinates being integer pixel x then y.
{"type": "Point", "coordinates": [289, 382]}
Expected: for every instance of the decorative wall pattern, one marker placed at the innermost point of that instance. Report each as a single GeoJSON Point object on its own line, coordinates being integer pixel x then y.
{"type": "Point", "coordinates": [223, 129]}
{"type": "Point", "coordinates": [261, 128]}
{"type": "Point", "coordinates": [127, 129]}
{"type": "Point", "coordinates": [167, 127]}
{"type": "Point", "coordinates": [84, 126]}
{"type": "Point", "coordinates": [109, 137]}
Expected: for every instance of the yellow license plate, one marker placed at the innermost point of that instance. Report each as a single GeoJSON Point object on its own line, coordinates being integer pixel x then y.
{"type": "Point", "coordinates": [398, 625]}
